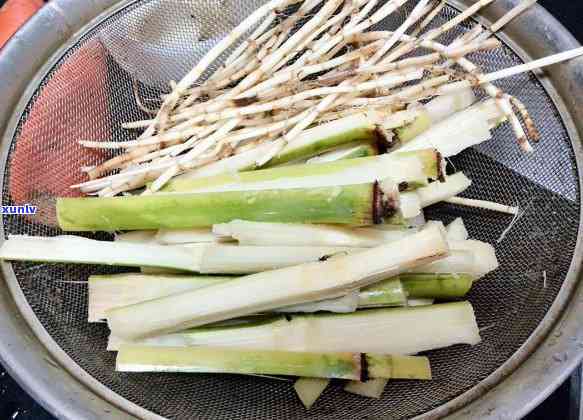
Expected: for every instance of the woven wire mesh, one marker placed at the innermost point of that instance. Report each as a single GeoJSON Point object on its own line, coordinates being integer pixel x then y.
{"type": "Point", "coordinates": [90, 91]}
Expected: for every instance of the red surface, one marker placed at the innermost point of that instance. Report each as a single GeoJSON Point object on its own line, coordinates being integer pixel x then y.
{"type": "Point", "coordinates": [72, 106]}
{"type": "Point", "coordinates": [14, 14]}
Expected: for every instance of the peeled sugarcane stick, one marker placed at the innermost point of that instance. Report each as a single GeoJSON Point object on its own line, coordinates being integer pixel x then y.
{"type": "Point", "coordinates": [354, 366]}
{"type": "Point", "coordinates": [412, 330]}
{"type": "Point", "coordinates": [411, 168]}
{"type": "Point", "coordinates": [202, 258]}
{"type": "Point", "coordinates": [113, 291]}
{"type": "Point", "coordinates": [440, 191]}
{"type": "Point", "coordinates": [274, 289]}
{"type": "Point", "coordinates": [460, 131]}
{"type": "Point", "coordinates": [433, 112]}
{"type": "Point", "coordinates": [290, 234]}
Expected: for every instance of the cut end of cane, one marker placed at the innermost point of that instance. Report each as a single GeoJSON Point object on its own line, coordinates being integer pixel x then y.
{"type": "Point", "coordinates": [386, 200]}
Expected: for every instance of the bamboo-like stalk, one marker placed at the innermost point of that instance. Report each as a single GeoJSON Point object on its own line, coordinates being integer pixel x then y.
{"type": "Point", "coordinates": [412, 168]}
{"type": "Point", "coordinates": [132, 358]}
{"type": "Point", "coordinates": [388, 292]}
{"type": "Point", "coordinates": [353, 366]}
{"type": "Point", "coordinates": [440, 191]}
{"type": "Point", "coordinates": [74, 249]}
{"type": "Point", "coordinates": [436, 286]}
{"type": "Point", "coordinates": [114, 291]}
{"type": "Point", "coordinates": [273, 234]}
{"type": "Point", "coordinates": [201, 258]}
{"type": "Point", "coordinates": [361, 204]}
{"type": "Point", "coordinates": [467, 128]}
{"type": "Point", "coordinates": [484, 256]}
{"type": "Point", "coordinates": [412, 330]}
{"type": "Point", "coordinates": [264, 291]}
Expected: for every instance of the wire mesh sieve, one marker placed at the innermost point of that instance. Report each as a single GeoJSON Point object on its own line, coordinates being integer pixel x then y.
{"type": "Point", "coordinates": [90, 92]}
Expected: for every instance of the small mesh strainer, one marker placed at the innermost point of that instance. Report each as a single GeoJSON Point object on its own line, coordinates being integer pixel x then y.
{"type": "Point", "coordinates": [88, 88]}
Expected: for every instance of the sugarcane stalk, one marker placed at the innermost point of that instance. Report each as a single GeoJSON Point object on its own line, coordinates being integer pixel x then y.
{"type": "Point", "coordinates": [279, 288]}
{"type": "Point", "coordinates": [132, 358]}
{"type": "Point", "coordinates": [436, 285]}
{"type": "Point", "coordinates": [203, 258]}
{"type": "Point", "coordinates": [460, 131]}
{"type": "Point", "coordinates": [289, 234]}
{"type": "Point", "coordinates": [114, 291]}
{"type": "Point", "coordinates": [411, 330]}
{"type": "Point", "coordinates": [361, 204]}
{"type": "Point", "coordinates": [434, 112]}
{"type": "Point", "coordinates": [388, 292]}
{"type": "Point", "coordinates": [74, 249]}
{"type": "Point", "coordinates": [414, 169]}
{"type": "Point", "coordinates": [354, 366]}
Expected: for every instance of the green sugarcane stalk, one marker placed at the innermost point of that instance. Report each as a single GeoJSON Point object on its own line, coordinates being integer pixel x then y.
{"type": "Point", "coordinates": [354, 366]}
{"type": "Point", "coordinates": [362, 204]}
{"type": "Point", "coordinates": [408, 132]}
{"type": "Point", "coordinates": [396, 290]}
{"type": "Point", "coordinates": [388, 292]}
{"type": "Point", "coordinates": [411, 169]}
{"type": "Point", "coordinates": [329, 136]}
{"type": "Point", "coordinates": [438, 286]}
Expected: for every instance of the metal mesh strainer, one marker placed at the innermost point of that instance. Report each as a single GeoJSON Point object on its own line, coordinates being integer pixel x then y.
{"type": "Point", "coordinates": [90, 90]}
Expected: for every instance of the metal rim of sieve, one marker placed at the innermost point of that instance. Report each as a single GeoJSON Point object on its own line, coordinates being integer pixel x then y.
{"type": "Point", "coordinates": [46, 372]}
